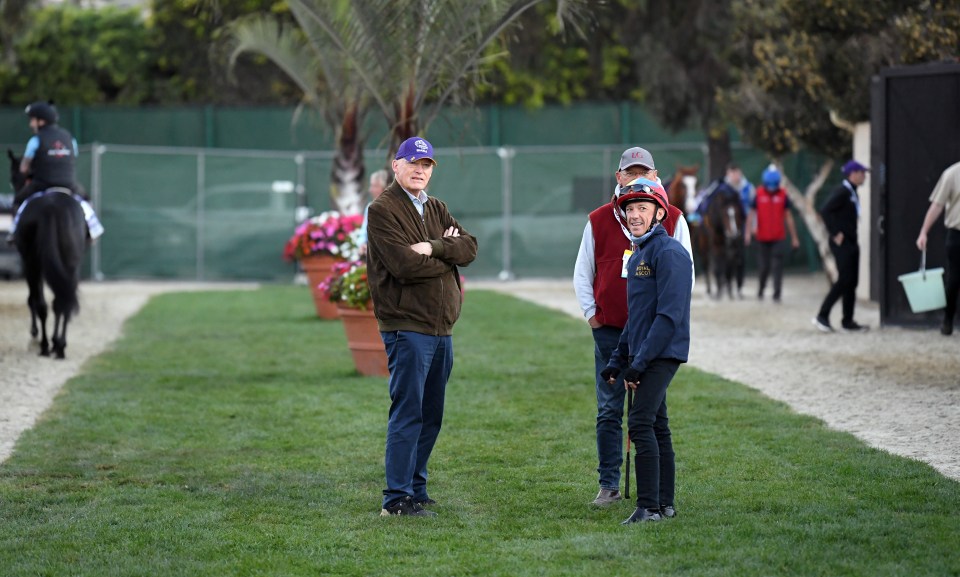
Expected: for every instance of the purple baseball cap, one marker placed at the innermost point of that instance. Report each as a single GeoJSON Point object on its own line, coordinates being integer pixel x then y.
{"type": "Point", "coordinates": [853, 166]}
{"type": "Point", "coordinates": [415, 148]}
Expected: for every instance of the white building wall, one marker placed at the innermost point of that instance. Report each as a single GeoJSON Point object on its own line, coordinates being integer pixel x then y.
{"type": "Point", "coordinates": [861, 153]}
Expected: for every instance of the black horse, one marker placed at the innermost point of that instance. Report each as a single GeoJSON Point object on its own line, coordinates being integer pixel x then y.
{"type": "Point", "coordinates": [724, 223]}
{"type": "Point", "coordinates": [51, 239]}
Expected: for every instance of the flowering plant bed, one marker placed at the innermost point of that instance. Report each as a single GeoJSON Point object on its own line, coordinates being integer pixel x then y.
{"type": "Point", "coordinates": [329, 233]}
{"type": "Point", "coordinates": [347, 285]}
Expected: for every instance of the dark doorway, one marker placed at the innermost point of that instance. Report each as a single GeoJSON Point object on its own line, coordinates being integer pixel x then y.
{"type": "Point", "coordinates": [915, 135]}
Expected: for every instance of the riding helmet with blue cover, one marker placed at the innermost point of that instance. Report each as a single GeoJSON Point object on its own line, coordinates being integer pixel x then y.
{"type": "Point", "coordinates": [771, 178]}
{"type": "Point", "coordinates": [44, 111]}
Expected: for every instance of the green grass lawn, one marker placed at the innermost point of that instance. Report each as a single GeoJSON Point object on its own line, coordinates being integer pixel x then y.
{"type": "Point", "coordinates": [227, 434]}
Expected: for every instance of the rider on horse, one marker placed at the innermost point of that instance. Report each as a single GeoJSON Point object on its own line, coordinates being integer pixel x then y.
{"type": "Point", "coordinates": [50, 160]}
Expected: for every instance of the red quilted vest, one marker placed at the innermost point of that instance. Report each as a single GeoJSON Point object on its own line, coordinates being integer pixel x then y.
{"type": "Point", "coordinates": [609, 242]}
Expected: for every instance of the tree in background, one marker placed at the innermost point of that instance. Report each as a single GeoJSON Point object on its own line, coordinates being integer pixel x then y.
{"type": "Point", "coordinates": [534, 63]}
{"type": "Point", "coordinates": [13, 15]}
{"type": "Point", "coordinates": [682, 53]}
{"type": "Point", "coordinates": [74, 55]}
{"type": "Point", "coordinates": [409, 58]}
{"type": "Point", "coordinates": [189, 67]}
{"type": "Point", "coordinates": [805, 75]}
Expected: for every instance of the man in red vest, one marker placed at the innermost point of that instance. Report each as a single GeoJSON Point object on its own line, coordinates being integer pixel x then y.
{"type": "Point", "coordinates": [600, 283]}
{"type": "Point", "coordinates": [769, 212]}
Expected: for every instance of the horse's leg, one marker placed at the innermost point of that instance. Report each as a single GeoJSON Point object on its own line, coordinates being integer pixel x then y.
{"type": "Point", "coordinates": [39, 309]}
{"type": "Point", "coordinates": [34, 331]}
{"type": "Point", "coordinates": [60, 334]}
{"type": "Point", "coordinates": [716, 263]}
{"type": "Point", "coordinates": [731, 276]}
{"type": "Point", "coordinates": [34, 294]}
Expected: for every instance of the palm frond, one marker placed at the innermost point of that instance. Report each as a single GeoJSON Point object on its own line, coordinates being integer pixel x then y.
{"type": "Point", "coordinates": [281, 45]}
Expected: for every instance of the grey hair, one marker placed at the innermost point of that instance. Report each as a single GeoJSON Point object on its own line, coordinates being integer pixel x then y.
{"type": "Point", "coordinates": [380, 176]}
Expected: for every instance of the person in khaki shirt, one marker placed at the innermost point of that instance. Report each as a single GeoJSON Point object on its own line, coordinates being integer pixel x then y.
{"type": "Point", "coordinates": [945, 200]}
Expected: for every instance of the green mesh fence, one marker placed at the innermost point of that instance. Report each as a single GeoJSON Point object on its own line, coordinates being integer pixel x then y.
{"type": "Point", "coordinates": [194, 214]}
{"type": "Point", "coordinates": [214, 214]}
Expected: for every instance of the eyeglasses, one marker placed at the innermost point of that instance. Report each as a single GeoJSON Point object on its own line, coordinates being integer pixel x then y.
{"type": "Point", "coordinates": [633, 173]}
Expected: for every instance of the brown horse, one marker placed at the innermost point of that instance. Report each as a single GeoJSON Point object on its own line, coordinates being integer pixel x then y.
{"type": "Point", "coordinates": [682, 191]}
{"type": "Point", "coordinates": [682, 187]}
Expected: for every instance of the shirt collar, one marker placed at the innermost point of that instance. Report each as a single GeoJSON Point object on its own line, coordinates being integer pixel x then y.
{"type": "Point", "coordinates": [422, 197]}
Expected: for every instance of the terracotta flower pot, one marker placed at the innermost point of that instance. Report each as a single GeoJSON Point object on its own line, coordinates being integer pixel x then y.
{"type": "Point", "coordinates": [318, 268]}
{"type": "Point", "coordinates": [363, 338]}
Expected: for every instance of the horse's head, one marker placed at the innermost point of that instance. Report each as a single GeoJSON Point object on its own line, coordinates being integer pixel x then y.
{"type": "Point", "coordinates": [17, 178]}
{"type": "Point", "coordinates": [682, 188]}
{"type": "Point", "coordinates": [726, 214]}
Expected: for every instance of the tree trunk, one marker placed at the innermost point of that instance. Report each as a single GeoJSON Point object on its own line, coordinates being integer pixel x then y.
{"type": "Point", "coordinates": [804, 201]}
{"type": "Point", "coordinates": [718, 150]}
{"type": "Point", "coordinates": [406, 123]}
{"type": "Point", "coordinates": [346, 176]}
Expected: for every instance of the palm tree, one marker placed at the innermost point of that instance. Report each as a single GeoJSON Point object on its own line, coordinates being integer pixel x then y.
{"type": "Point", "coordinates": [405, 58]}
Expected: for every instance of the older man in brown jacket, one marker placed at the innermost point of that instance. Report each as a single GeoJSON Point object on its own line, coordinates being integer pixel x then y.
{"type": "Point", "coordinates": [414, 250]}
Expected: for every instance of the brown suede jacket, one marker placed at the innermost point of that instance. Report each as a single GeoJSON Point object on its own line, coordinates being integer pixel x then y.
{"type": "Point", "coordinates": [411, 291]}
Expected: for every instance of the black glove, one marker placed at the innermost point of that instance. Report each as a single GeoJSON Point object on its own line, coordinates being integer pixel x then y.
{"type": "Point", "coordinates": [610, 374]}
{"type": "Point", "coordinates": [631, 375]}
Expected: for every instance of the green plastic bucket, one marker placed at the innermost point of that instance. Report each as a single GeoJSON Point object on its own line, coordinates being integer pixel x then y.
{"type": "Point", "coordinates": [924, 289]}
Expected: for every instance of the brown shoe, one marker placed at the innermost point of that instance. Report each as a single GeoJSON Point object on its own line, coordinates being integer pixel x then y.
{"type": "Point", "coordinates": [607, 497]}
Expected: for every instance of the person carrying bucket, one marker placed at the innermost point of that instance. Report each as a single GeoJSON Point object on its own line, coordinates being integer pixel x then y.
{"type": "Point", "coordinates": [945, 200]}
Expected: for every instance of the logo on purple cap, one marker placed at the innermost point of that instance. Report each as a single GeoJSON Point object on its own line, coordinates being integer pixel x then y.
{"type": "Point", "coordinates": [415, 148]}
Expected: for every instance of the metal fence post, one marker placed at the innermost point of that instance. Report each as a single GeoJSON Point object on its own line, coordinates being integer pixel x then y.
{"type": "Point", "coordinates": [302, 212]}
{"type": "Point", "coordinates": [506, 163]}
{"type": "Point", "coordinates": [96, 190]}
{"type": "Point", "coordinates": [201, 184]}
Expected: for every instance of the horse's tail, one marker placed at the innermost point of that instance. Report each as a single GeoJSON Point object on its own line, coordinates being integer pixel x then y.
{"type": "Point", "coordinates": [54, 259]}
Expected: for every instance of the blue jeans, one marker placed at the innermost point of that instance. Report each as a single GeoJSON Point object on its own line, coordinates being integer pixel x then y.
{"type": "Point", "coordinates": [419, 368]}
{"type": "Point", "coordinates": [609, 410]}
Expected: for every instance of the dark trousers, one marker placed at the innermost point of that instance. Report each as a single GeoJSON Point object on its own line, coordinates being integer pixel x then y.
{"type": "Point", "coordinates": [419, 368]}
{"type": "Point", "coordinates": [650, 433]}
{"type": "Point", "coordinates": [770, 261]}
{"type": "Point", "coordinates": [847, 256]}
{"type": "Point", "coordinates": [953, 274]}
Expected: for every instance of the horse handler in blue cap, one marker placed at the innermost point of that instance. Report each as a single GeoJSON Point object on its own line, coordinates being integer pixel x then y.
{"type": "Point", "coordinates": [841, 214]}
{"type": "Point", "coordinates": [413, 253]}
{"type": "Point", "coordinates": [655, 341]}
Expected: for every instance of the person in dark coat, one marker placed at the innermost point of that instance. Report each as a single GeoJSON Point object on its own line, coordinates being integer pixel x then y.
{"type": "Point", "coordinates": [654, 342]}
{"type": "Point", "coordinates": [415, 249]}
{"type": "Point", "coordinates": [840, 214]}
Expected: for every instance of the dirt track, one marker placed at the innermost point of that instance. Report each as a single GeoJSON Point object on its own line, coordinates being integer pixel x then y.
{"type": "Point", "coordinates": [897, 389]}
